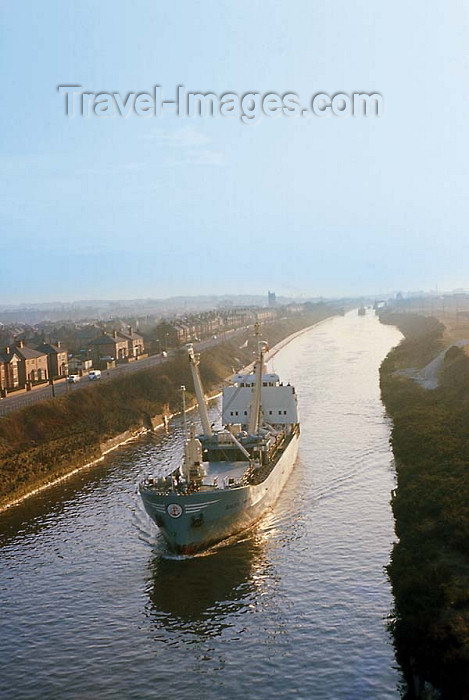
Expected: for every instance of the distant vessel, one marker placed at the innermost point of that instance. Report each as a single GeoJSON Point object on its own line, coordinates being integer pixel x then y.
{"type": "Point", "coordinates": [228, 478]}
{"type": "Point", "coordinates": [361, 311]}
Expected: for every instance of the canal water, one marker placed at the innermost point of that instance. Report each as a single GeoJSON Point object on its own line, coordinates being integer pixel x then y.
{"type": "Point", "coordinates": [93, 607]}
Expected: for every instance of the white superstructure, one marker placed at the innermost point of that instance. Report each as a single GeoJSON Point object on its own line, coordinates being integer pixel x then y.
{"type": "Point", "coordinates": [279, 405]}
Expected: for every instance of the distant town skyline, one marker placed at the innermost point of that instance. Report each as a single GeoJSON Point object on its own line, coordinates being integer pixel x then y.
{"type": "Point", "coordinates": [245, 298]}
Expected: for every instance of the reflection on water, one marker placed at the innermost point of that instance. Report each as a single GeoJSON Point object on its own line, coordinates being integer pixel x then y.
{"type": "Point", "coordinates": [46, 507]}
{"type": "Point", "coordinates": [295, 607]}
{"type": "Point", "coordinates": [198, 595]}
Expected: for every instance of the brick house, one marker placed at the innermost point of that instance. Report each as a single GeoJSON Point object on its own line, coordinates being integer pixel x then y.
{"type": "Point", "coordinates": [77, 365]}
{"type": "Point", "coordinates": [265, 315]}
{"type": "Point", "coordinates": [32, 366]}
{"type": "Point", "coordinates": [134, 342]}
{"type": "Point", "coordinates": [9, 373]}
{"type": "Point", "coordinates": [170, 334]}
{"type": "Point", "coordinates": [107, 345]}
{"type": "Point", "coordinates": [57, 358]}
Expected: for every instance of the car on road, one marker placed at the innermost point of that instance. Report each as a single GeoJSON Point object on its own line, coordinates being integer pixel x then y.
{"type": "Point", "coordinates": [73, 378]}
{"type": "Point", "coordinates": [94, 374]}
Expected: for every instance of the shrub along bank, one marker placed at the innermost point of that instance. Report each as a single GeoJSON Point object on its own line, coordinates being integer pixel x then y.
{"type": "Point", "coordinates": [429, 567]}
{"type": "Point", "coordinates": [50, 439]}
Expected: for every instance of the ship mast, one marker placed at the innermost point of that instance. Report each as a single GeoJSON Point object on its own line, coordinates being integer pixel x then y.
{"type": "Point", "coordinates": [199, 392]}
{"type": "Point", "coordinates": [184, 418]}
{"type": "Point", "coordinates": [255, 408]}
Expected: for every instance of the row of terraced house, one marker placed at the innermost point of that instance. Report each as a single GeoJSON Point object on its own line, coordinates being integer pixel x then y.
{"type": "Point", "coordinates": [176, 331]}
{"type": "Point", "coordinates": [22, 366]}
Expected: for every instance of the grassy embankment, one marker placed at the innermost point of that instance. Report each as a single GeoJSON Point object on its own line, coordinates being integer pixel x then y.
{"type": "Point", "coordinates": [429, 568]}
{"type": "Point", "coordinates": [50, 439]}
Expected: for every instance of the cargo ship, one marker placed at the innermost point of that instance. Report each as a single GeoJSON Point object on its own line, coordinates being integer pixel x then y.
{"type": "Point", "coordinates": [228, 478]}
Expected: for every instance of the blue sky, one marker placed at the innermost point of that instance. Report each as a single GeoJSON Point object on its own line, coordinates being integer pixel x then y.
{"type": "Point", "coordinates": [154, 207]}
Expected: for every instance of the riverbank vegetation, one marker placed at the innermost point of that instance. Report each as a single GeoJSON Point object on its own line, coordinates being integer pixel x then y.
{"type": "Point", "coordinates": [42, 442]}
{"type": "Point", "coordinates": [429, 568]}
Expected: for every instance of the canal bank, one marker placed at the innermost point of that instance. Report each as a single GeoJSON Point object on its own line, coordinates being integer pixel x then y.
{"type": "Point", "coordinates": [429, 563]}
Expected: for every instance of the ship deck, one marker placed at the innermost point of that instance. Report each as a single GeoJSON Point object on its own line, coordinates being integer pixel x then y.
{"type": "Point", "coordinates": [223, 471]}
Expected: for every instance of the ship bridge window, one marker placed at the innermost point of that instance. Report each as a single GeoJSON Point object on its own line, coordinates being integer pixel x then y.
{"type": "Point", "coordinates": [245, 413]}
{"type": "Point", "coordinates": [270, 413]}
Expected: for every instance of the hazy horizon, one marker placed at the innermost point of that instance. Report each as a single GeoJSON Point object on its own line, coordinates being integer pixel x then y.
{"type": "Point", "coordinates": [219, 297]}
{"type": "Point", "coordinates": [140, 307]}
{"type": "Point", "coordinates": [164, 206]}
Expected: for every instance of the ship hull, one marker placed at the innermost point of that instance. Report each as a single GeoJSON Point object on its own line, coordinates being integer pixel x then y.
{"type": "Point", "coordinates": [193, 522]}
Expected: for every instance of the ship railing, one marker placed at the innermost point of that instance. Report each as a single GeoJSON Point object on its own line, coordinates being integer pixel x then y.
{"type": "Point", "coordinates": [231, 483]}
